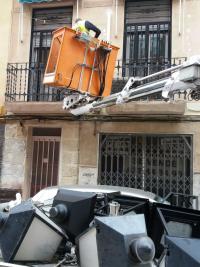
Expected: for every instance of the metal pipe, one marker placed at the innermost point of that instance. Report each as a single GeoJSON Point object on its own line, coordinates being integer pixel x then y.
{"type": "Point", "coordinates": [109, 13]}
{"type": "Point", "coordinates": [77, 8]}
{"type": "Point", "coordinates": [180, 16]}
{"type": "Point", "coordinates": [140, 89]}
{"type": "Point", "coordinates": [21, 23]}
{"type": "Point", "coordinates": [133, 93]}
{"type": "Point", "coordinates": [161, 72]}
{"type": "Point", "coordinates": [116, 18]}
{"type": "Point", "coordinates": [183, 17]}
{"type": "Point", "coordinates": [143, 90]}
{"type": "Point", "coordinates": [147, 89]}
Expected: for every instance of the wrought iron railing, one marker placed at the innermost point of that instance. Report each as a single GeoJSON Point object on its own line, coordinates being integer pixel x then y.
{"type": "Point", "coordinates": [24, 83]}
{"type": "Point", "coordinates": [144, 67]}
{"type": "Point", "coordinates": [24, 80]}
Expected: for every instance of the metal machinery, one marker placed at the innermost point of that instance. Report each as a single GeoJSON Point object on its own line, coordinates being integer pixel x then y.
{"type": "Point", "coordinates": [83, 68]}
{"type": "Point", "coordinates": [175, 79]}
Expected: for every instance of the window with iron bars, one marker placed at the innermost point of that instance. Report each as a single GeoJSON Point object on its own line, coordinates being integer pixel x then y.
{"type": "Point", "coordinates": [147, 41]}
{"type": "Point", "coordinates": [45, 21]}
{"type": "Point", "coordinates": [147, 49]}
{"type": "Point", "coordinates": [157, 163]}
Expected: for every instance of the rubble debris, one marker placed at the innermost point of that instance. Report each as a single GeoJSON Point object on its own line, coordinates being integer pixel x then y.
{"type": "Point", "coordinates": [90, 229]}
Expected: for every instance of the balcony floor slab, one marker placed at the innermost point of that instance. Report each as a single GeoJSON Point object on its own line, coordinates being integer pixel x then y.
{"type": "Point", "coordinates": [35, 108]}
{"type": "Point", "coordinates": [148, 108]}
{"type": "Point", "coordinates": [132, 108]}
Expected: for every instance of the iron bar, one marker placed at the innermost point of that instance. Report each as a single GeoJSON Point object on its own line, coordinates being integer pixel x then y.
{"type": "Point", "coordinates": [42, 165]}
{"type": "Point", "coordinates": [47, 167]}
{"type": "Point", "coordinates": [53, 158]}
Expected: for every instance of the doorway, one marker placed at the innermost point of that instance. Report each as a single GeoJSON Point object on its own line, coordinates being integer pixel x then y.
{"type": "Point", "coordinates": [45, 158]}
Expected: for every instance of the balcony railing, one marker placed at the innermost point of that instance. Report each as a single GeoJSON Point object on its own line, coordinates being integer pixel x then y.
{"type": "Point", "coordinates": [144, 67]}
{"type": "Point", "coordinates": [24, 80]}
{"type": "Point", "coordinates": [24, 83]}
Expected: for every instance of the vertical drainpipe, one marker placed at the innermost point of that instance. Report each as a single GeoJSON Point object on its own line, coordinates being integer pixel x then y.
{"type": "Point", "coordinates": [21, 23]}
{"type": "Point", "coordinates": [180, 18]}
{"type": "Point", "coordinates": [183, 27]}
{"type": "Point", "coordinates": [183, 17]}
{"type": "Point", "coordinates": [77, 8]}
{"type": "Point", "coordinates": [116, 18]}
{"type": "Point", "coordinates": [109, 13]}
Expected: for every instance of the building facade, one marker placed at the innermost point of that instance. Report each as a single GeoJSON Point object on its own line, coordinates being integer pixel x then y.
{"type": "Point", "coordinates": [147, 144]}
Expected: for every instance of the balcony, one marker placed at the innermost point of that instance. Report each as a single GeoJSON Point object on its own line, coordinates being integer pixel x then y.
{"type": "Point", "coordinates": [24, 84]}
{"type": "Point", "coordinates": [24, 80]}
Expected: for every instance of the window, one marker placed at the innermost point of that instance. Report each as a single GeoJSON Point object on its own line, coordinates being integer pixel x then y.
{"type": "Point", "coordinates": [45, 21]}
{"type": "Point", "coordinates": [157, 163]}
{"type": "Point", "coordinates": [147, 37]}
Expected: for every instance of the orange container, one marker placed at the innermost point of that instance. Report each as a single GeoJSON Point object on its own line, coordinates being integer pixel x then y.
{"type": "Point", "coordinates": [74, 63]}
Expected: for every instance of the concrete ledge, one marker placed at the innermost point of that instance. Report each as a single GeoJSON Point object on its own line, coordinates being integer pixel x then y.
{"type": "Point", "coordinates": [131, 108]}
{"type": "Point", "coordinates": [147, 108]}
{"type": "Point", "coordinates": [36, 108]}
{"type": "Point", "coordinates": [193, 108]}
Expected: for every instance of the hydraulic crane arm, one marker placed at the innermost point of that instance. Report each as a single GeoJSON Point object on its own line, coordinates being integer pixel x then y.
{"type": "Point", "coordinates": [83, 67]}
{"type": "Point", "coordinates": [180, 78]}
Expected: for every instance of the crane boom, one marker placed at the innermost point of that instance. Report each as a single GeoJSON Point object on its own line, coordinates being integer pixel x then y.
{"type": "Point", "coordinates": [83, 67]}
{"type": "Point", "coordinates": [180, 78]}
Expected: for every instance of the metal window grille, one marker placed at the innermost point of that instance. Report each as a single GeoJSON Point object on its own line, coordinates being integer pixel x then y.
{"type": "Point", "coordinates": [157, 163]}
{"type": "Point", "coordinates": [45, 21]}
{"type": "Point", "coordinates": [146, 36]}
{"type": "Point", "coordinates": [45, 161]}
{"type": "Point", "coordinates": [147, 48]}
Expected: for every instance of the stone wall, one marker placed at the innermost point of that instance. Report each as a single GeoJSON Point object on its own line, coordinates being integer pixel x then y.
{"type": "Point", "coordinates": [69, 153]}
{"type": "Point", "coordinates": [185, 32]}
{"type": "Point", "coordinates": [80, 149]}
{"type": "Point", "coordinates": [14, 155]}
{"type": "Point", "coordinates": [5, 22]}
{"type": "Point", "coordinates": [88, 153]}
